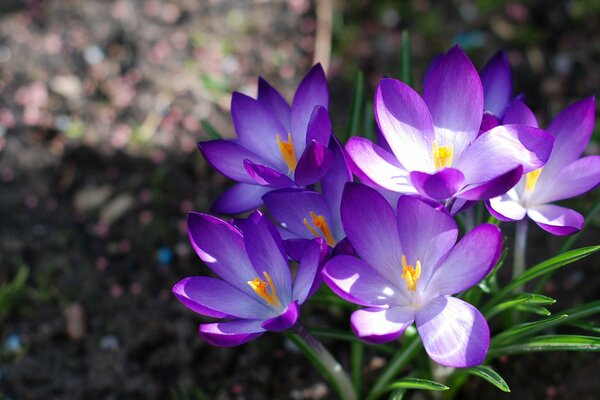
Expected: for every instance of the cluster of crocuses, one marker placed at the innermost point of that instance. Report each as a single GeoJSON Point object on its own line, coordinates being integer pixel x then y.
{"type": "Point", "coordinates": [375, 222]}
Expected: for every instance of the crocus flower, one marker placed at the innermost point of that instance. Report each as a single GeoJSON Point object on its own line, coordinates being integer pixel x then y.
{"type": "Point", "coordinates": [565, 175]}
{"type": "Point", "coordinates": [277, 146]}
{"type": "Point", "coordinates": [436, 148]}
{"type": "Point", "coordinates": [409, 267]}
{"type": "Point", "coordinates": [254, 290]}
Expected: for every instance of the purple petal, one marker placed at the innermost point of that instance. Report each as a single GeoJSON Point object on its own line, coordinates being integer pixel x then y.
{"type": "Point", "coordinates": [496, 79]}
{"type": "Point", "coordinates": [557, 220]}
{"type": "Point", "coordinates": [264, 175]}
{"type": "Point", "coordinates": [376, 325]}
{"type": "Point", "coordinates": [370, 224]}
{"type": "Point", "coordinates": [313, 165]}
{"type": "Point", "coordinates": [228, 157]}
{"type": "Point", "coordinates": [319, 126]}
{"type": "Point", "coordinates": [308, 278]}
{"type": "Point", "coordinates": [295, 247]}
{"type": "Point", "coordinates": [488, 122]}
{"type": "Point", "coordinates": [240, 198]}
{"type": "Point", "coordinates": [454, 333]}
{"type": "Point", "coordinates": [506, 207]}
{"type": "Point", "coordinates": [574, 179]}
{"type": "Point", "coordinates": [492, 188]}
{"type": "Point", "coordinates": [426, 234]}
{"type": "Point", "coordinates": [518, 113]}
{"type": "Point", "coordinates": [378, 165]}
{"type": "Point", "coordinates": [439, 185]}
{"type": "Point", "coordinates": [229, 334]}
{"type": "Point", "coordinates": [257, 129]}
{"type": "Point", "coordinates": [468, 262]}
{"type": "Point", "coordinates": [344, 247]}
{"type": "Point", "coordinates": [332, 185]}
{"type": "Point", "coordinates": [216, 298]}
{"type": "Point", "coordinates": [311, 92]}
{"type": "Point", "coordinates": [284, 321]}
{"type": "Point", "coordinates": [272, 100]}
{"type": "Point", "coordinates": [357, 282]}
{"type": "Point", "coordinates": [404, 120]}
{"type": "Point", "coordinates": [454, 95]}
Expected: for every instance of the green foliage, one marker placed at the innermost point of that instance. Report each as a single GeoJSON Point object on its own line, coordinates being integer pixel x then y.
{"type": "Point", "coordinates": [12, 292]}
{"type": "Point", "coordinates": [491, 376]}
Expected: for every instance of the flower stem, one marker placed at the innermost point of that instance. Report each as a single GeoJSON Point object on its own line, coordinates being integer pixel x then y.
{"type": "Point", "coordinates": [328, 366]}
{"type": "Point", "coordinates": [520, 249]}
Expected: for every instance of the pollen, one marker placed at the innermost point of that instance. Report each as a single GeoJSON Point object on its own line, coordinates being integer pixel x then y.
{"type": "Point", "coordinates": [411, 274]}
{"type": "Point", "coordinates": [442, 155]}
{"type": "Point", "coordinates": [531, 179]}
{"type": "Point", "coordinates": [265, 289]}
{"type": "Point", "coordinates": [319, 222]}
{"type": "Point", "coordinates": [288, 152]}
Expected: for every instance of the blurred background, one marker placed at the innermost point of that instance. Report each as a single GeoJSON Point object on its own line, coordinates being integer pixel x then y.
{"type": "Point", "coordinates": [101, 104]}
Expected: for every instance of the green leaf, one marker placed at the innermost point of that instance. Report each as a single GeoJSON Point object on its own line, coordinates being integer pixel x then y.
{"type": "Point", "coordinates": [369, 122]}
{"type": "Point", "coordinates": [549, 343]}
{"type": "Point", "coordinates": [11, 292]}
{"type": "Point", "coordinates": [357, 104]}
{"type": "Point", "coordinates": [405, 60]}
{"type": "Point", "coordinates": [534, 309]}
{"type": "Point", "coordinates": [210, 130]}
{"type": "Point", "coordinates": [417, 383]}
{"type": "Point", "coordinates": [349, 337]}
{"type": "Point", "coordinates": [528, 328]}
{"type": "Point", "coordinates": [491, 376]}
{"type": "Point", "coordinates": [586, 326]}
{"type": "Point", "coordinates": [528, 302]}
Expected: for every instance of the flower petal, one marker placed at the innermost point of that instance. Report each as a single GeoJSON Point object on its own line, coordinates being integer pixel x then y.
{"type": "Point", "coordinates": [265, 175]}
{"type": "Point", "coordinates": [440, 185]}
{"type": "Point", "coordinates": [308, 278]}
{"type": "Point", "coordinates": [313, 165]}
{"type": "Point", "coordinates": [468, 262]}
{"type": "Point", "coordinates": [454, 333]}
{"type": "Point", "coordinates": [272, 100]}
{"type": "Point", "coordinates": [233, 333]}
{"type": "Point", "coordinates": [492, 188]}
{"type": "Point", "coordinates": [496, 79]}
{"type": "Point", "coordinates": [506, 207]}
{"type": "Point", "coordinates": [454, 95]}
{"type": "Point", "coordinates": [557, 220]}
{"type": "Point", "coordinates": [319, 126]}
{"type": "Point", "coordinates": [227, 157]}
{"type": "Point", "coordinates": [285, 320]}
{"type": "Point", "coordinates": [518, 113]}
{"type": "Point", "coordinates": [376, 325]}
{"type": "Point", "coordinates": [574, 179]}
{"type": "Point", "coordinates": [332, 185]}
{"type": "Point", "coordinates": [240, 198]}
{"type": "Point", "coordinates": [406, 124]}
{"type": "Point", "coordinates": [311, 92]}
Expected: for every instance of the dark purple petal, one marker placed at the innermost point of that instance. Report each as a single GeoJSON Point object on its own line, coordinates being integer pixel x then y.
{"type": "Point", "coordinates": [557, 220]}
{"type": "Point", "coordinates": [574, 179]}
{"type": "Point", "coordinates": [376, 325]}
{"type": "Point", "coordinates": [468, 262]}
{"type": "Point", "coordinates": [240, 198]}
{"type": "Point", "coordinates": [518, 113]}
{"type": "Point", "coordinates": [264, 175]}
{"type": "Point", "coordinates": [440, 185]}
{"type": "Point", "coordinates": [284, 321]}
{"type": "Point", "coordinates": [311, 92]}
{"type": "Point", "coordinates": [319, 126]}
{"type": "Point", "coordinates": [496, 79]}
{"type": "Point", "coordinates": [273, 101]}
{"type": "Point", "coordinates": [233, 333]}
{"type": "Point", "coordinates": [228, 157]}
{"type": "Point", "coordinates": [308, 278]}
{"type": "Point", "coordinates": [495, 187]}
{"type": "Point", "coordinates": [216, 298]}
{"type": "Point", "coordinates": [506, 207]}
{"type": "Point", "coordinates": [454, 333]}
{"type": "Point", "coordinates": [295, 248]}
{"type": "Point", "coordinates": [344, 247]}
{"type": "Point", "coordinates": [313, 165]}
{"type": "Point", "coordinates": [332, 185]}
{"type": "Point", "coordinates": [488, 122]}
{"type": "Point", "coordinates": [454, 95]}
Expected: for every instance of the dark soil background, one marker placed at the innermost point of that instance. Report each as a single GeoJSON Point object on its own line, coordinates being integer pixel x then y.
{"type": "Point", "coordinates": [100, 110]}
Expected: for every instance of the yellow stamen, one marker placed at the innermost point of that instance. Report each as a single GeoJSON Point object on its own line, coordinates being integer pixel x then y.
{"type": "Point", "coordinates": [410, 274]}
{"type": "Point", "coordinates": [287, 152]}
{"type": "Point", "coordinates": [442, 155]}
{"type": "Point", "coordinates": [320, 223]}
{"type": "Point", "coordinates": [260, 287]}
{"type": "Point", "coordinates": [531, 179]}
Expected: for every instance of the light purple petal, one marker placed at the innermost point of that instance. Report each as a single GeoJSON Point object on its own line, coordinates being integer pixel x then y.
{"type": "Point", "coordinates": [506, 207]}
{"type": "Point", "coordinates": [240, 198]}
{"type": "Point", "coordinates": [356, 281]}
{"type": "Point", "coordinates": [439, 185]}
{"type": "Point", "coordinates": [233, 333]}
{"type": "Point", "coordinates": [406, 124]}
{"type": "Point", "coordinates": [370, 224]}
{"type": "Point", "coordinates": [494, 187]}
{"type": "Point", "coordinates": [518, 113]}
{"type": "Point", "coordinates": [265, 175]}
{"type": "Point", "coordinates": [454, 95]}
{"type": "Point", "coordinates": [311, 92]}
{"type": "Point", "coordinates": [468, 262]}
{"type": "Point", "coordinates": [496, 79]}
{"type": "Point", "coordinates": [557, 220]}
{"type": "Point", "coordinates": [454, 333]}
{"type": "Point", "coordinates": [285, 320]}
{"type": "Point", "coordinates": [313, 165]}
{"type": "Point", "coordinates": [227, 157]}
{"type": "Point", "coordinates": [426, 234]}
{"type": "Point", "coordinates": [378, 165]}
{"type": "Point", "coordinates": [216, 298]}
{"type": "Point", "coordinates": [574, 179]}
{"type": "Point", "coordinates": [308, 278]}
{"type": "Point", "coordinates": [319, 126]}
{"type": "Point", "coordinates": [374, 325]}
{"type": "Point", "coordinates": [273, 101]}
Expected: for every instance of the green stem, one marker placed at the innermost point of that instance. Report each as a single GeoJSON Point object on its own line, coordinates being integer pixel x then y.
{"type": "Point", "coordinates": [357, 351]}
{"type": "Point", "coordinates": [328, 366]}
{"type": "Point", "coordinates": [520, 249]}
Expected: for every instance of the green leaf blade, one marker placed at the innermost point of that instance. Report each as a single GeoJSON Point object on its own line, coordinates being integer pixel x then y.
{"type": "Point", "coordinates": [491, 376]}
{"type": "Point", "coordinates": [417, 383]}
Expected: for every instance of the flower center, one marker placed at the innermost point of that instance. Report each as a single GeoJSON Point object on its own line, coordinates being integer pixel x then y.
{"type": "Point", "coordinates": [265, 290]}
{"type": "Point", "coordinates": [531, 179]}
{"type": "Point", "coordinates": [411, 274]}
{"type": "Point", "coordinates": [442, 155]}
{"type": "Point", "coordinates": [287, 152]}
{"type": "Point", "coordinates": [320, 223]}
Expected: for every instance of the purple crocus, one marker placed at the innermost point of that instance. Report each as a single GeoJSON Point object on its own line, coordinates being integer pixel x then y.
{"type": "Point", "coordinates": [437, 152]}
{"type": "Point", "coordinates": [409, 266]}
{"type": "Point", "coordinates": [277, 146]}
{"type": "Point", "coordinates": [565, 175]}
{"type": "Point", "coordinates": [254, 290]}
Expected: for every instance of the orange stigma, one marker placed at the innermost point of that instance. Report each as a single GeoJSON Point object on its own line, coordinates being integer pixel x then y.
{"type": "Point", "coordinates": [411, 274]}
{"type": "Point", "coordinates": [262, 289]}
{"type": "Point", "coordinates": [442, 155]}
{"type": "Point", "coordinates": [287, 152]}
{"type": "Point", "coordinates": [531, 179]}
{"type": "Point", "coordinates": [320, 223]}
